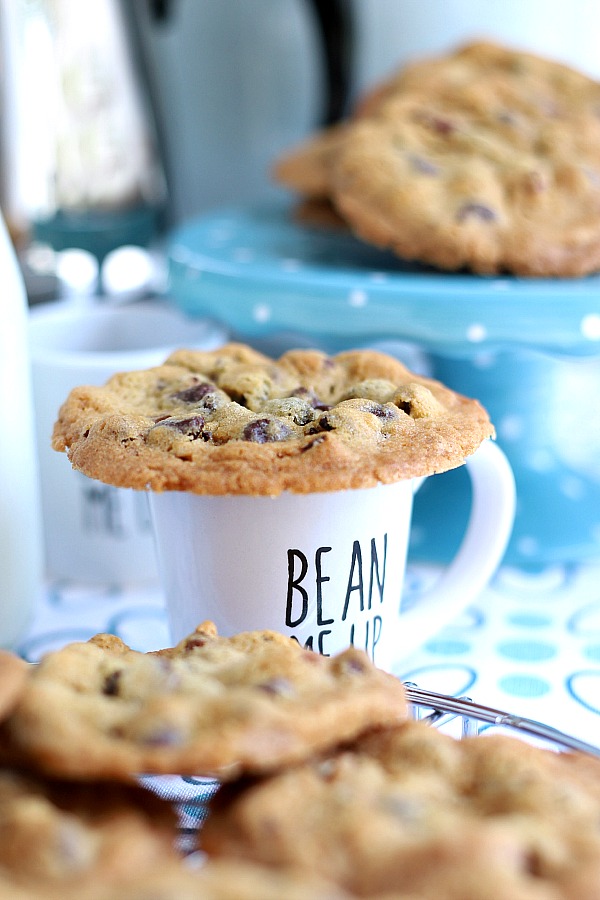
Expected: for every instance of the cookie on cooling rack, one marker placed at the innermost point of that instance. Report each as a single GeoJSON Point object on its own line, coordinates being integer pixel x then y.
{"type": "Point", "coordinates": [485, 158]}
{"type": "Point", "coordinates": [233, 421]}
{"type": "Point", "coordinates": [60, 839]}
{"type": "Point", "coordinates": [13, 676]}
{"type": "Point", "coordinates": [226, 880]}
{"type": "Point", "coordinates": [211, 706]}
{"type": "Point", "coordinates": [414, 811]}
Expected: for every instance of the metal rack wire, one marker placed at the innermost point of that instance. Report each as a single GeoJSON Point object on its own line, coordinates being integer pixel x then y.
{"type": "Point", "coordinates": [439, 709]}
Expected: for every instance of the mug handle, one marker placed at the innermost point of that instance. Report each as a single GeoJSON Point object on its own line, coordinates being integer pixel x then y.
{"type": "Point", "coordinates": [484, 543]}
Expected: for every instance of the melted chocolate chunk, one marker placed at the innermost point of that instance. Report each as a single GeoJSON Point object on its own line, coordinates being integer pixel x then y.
{"type": "Point", "coordinates": [163, 737]}
{"type": "Point", "coordinates": [278, 687]}
{"type": "Point", "coordinates": [323, 424]}
{"type": "Point", "coordinates": [379, 410]}
{"type": "Point", "coordinates": [110, 688]}
{"type": "Point", "coordinates": [475, 211]}
{"type": "Point", "coordinates": [424, 166]}
{"type": "Point", "coordinates": [437, 123]}
{"type": "Point", "coordinates": [191, 427]}
{"type": "Point", "coordinates": [195, 393]}
{"type": "Point", "coordinates": [193, 642]}
{"type": "Point", "coordinates": [263, 431]}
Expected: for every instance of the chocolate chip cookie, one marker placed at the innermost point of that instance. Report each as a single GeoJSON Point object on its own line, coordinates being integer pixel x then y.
{"type": "Point", "coordinates": [485, 158]}
{"type": "Point", "coordinates": [210, 706]}
{"type": "Point", "coordinates": [13, 676]}
{"type": "Point", "coordinates": [411, 811]}
{"type": "Point", "coordinates": [233, 421]}
{"type": "Point", "coordinates": [60, 839]}
{"type": "Point", "coordinates": [228, 880]}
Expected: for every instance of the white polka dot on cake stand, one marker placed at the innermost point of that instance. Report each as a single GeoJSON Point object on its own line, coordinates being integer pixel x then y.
{"type": "Point", "coordinates": [261, 313]}
{"type": "Point", "coordinates": [358, 298]}
{"type": "Point", "coordinates": [511, 428]}
{"type": "Point", "coordinates": [476, 333]}
{"type": "Point", "coordinates": [243, 255]}
{"type": "Point", "coordinates": [590, 327]}
{"type": "Point", "coordinates": [573, 488]}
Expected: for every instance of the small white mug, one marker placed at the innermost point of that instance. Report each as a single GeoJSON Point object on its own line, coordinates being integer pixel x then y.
{"type": "Point", "coordinates": [324, 568]}
{"type": "Point", "coordinates": [94, 532]}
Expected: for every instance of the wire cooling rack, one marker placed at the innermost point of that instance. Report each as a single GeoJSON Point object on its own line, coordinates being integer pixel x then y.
{"type": "Point", "coordinates": [459, 716]}
{"type": "Point", "coordinates": [440, 709]}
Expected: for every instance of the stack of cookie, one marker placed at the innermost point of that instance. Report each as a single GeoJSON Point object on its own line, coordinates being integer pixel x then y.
{"type": "Point", "coordinates": [79, 727]}
{"type": "Point", "coordinates": [329, 791]}
{"type": "Point", "coordinates": [486, 158]}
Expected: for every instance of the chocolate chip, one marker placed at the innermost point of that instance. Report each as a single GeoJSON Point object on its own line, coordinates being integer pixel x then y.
{"type": "Point", "coordinates": [191, 427]}
{"type": "Point", "coordinates": [534, 182]}
{"type": "Point", "coordinates": [423, 165]}
{"type": "Point", "coordinates": [165, 736]}
{"type": "Point", "coordinates": [110, 688]}
{"type": "Point", "coordinates": [263, 431]}
{"type": "Point", "coordinates": [405, 808]}
{"type": "Point", "coordinates": [353, 664]}
{"type": "Point", "coordinates": [306, 394]}
{"type": "Point", "coordinates": [475, 211]}
{"type": "Point", "coordinates": [279, 687]}
{"type": "Point", "coordinates": [195, 393]}
{"type": "Point", "coordinates": [327, 769]}
{"type": "Point", "coordinates": [379, 410]}
{"type": "Point", "coordinates": [323, 424]}
{"type": "Point", "coordinates": [193, 642]}
{"type": "Point", "coordinates": [437, 123]}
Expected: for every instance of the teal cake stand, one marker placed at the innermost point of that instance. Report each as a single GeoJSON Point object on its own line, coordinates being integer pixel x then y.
{"type": "Point", "coordinates": [528, 349]}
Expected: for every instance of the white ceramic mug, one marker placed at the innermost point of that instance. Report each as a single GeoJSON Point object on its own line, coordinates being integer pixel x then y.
{"type": "Point", "coordinates": [94, 532]}
{"type": "Point", "coordinates": [325, 568]}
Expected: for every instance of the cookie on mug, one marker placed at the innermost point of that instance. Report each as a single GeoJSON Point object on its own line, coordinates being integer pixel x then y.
{"type": "Point", "coordinates": [234, 421]}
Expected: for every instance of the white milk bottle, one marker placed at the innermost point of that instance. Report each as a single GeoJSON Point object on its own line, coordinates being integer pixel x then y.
{"type": "Point", "coordinates": [21, 560]}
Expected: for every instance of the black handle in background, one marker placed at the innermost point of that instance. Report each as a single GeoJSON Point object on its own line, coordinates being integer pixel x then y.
{"type": "Point", "coordinates": [336, 28]}
{"type": "Point", "coordinates": [335, 23]}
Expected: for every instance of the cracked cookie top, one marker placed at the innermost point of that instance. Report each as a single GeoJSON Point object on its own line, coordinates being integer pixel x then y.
{"type": "Point", "coordinates": [233, 421]}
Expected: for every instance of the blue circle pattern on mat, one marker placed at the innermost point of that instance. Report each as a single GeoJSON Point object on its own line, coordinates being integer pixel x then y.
{"type": "Point", "coordinates": [524, 685]}
{"type": "Point", "coordinates": [584, 687]}
{"type": "Point", "coordinates": [529, 620]}
{"type": "Point", "coordinates": [592, 652]}
{"type": "Point", "coordinates": [527, 651]}
{"type": "Point", "coordinates": [585, 621]}
{"type": "Point", "coordinates": [537, 618]}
